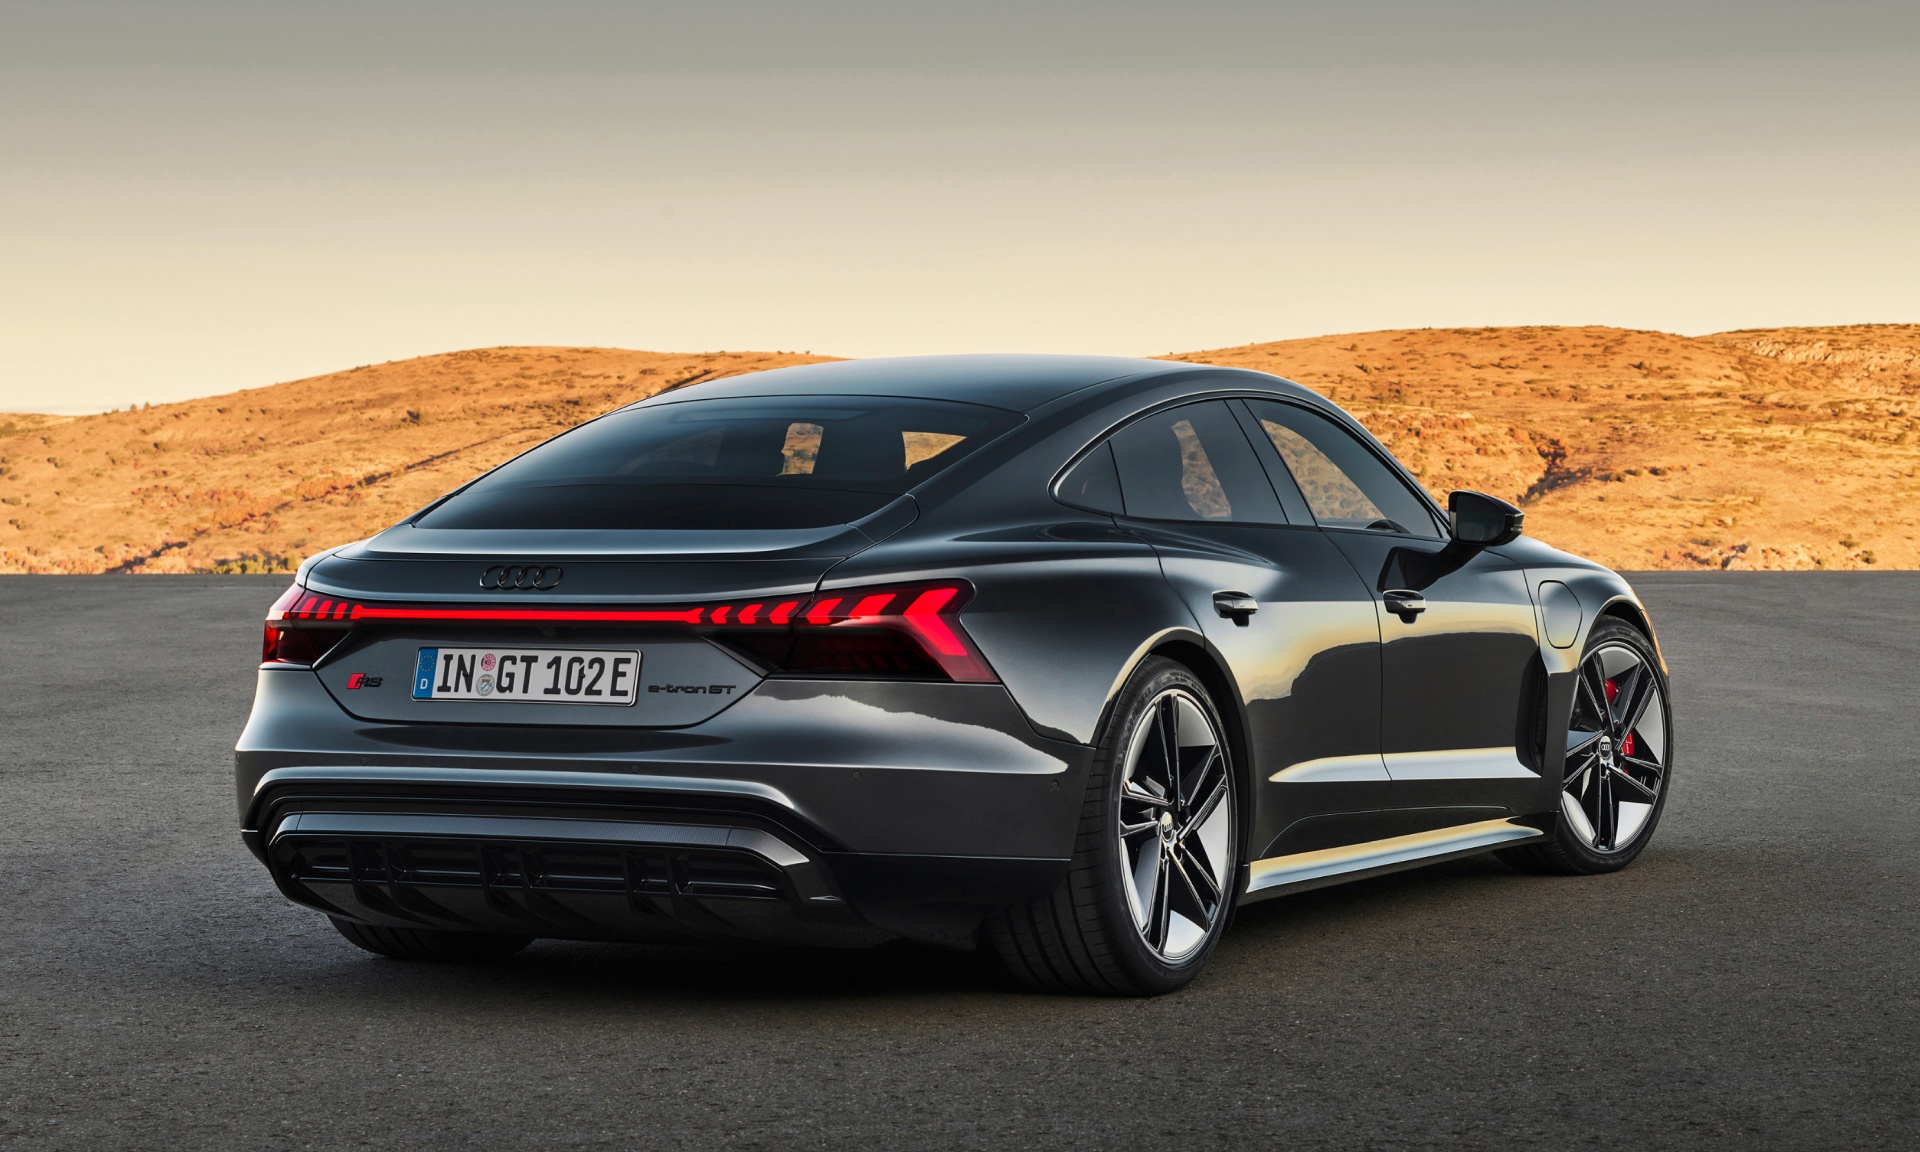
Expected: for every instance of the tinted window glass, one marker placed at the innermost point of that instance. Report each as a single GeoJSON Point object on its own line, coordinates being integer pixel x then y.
{"type": "Point", "coordinates": [1193, 463]}
{"type": "Point", "coordinates": [1093, 483]}
{"type": "Point", "coordinates": [743, 463]}
{"type": "Point", "coordinates": [1345, 484]}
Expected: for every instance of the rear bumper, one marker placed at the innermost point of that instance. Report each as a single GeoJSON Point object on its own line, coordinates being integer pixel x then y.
{"type": "Point", "coordinates": [809, 813]}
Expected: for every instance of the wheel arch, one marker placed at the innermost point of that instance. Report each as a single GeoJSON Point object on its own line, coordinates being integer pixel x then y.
{"type": "Point", "coordinates": [1192, 652]}
{"type": "Point", "coordinates": [1603, 595]}
{"type": "Point", "coordinates": [1634, 614]}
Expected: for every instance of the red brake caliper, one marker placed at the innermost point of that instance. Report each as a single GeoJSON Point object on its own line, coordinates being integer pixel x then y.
{"type": "Point", "coordinates": [1626, 744]}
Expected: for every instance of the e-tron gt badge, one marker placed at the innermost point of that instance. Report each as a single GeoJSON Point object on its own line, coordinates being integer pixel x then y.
{"type": "Point", "coordinates": [523, 577]}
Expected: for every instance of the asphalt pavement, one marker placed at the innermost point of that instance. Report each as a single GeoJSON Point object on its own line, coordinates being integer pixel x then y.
{"type": "Point", "coordinates": [1752, 982]}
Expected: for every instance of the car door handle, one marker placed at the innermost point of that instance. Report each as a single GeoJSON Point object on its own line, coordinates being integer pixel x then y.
{"type": "Point", "coordinates": [1404, 604]}
{"type": "Point", "coordinates": [1235, 606]}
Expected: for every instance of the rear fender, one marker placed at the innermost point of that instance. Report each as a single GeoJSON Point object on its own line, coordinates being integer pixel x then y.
{"type": "Point", "coordinates": [1192, 649]}
{"type": "Point", "coordinates": [1063, 610]}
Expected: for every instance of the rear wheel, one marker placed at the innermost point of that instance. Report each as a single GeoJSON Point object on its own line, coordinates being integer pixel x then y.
{"type": "Point", "coordinates": [1619, 758]}
{"type": "Point", "coordinates": [1150, 887]}
{"type": "Point", "coordinates": [429, 944]}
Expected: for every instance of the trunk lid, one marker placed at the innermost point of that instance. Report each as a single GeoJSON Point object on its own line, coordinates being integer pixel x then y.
{"type": "Point", "coordinates": [679, 677]}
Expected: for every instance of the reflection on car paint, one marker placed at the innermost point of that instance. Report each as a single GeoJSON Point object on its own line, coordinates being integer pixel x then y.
{"type": "Point", "coordinates": [1459, 764]}
{"type": "Point", "coordinates": [843, 730]}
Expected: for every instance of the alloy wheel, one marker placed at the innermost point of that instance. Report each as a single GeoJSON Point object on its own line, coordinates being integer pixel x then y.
{"type": "Point", "coordinates": [1176, 825]}
{"type": "Point", "coordinates": [1616, 748]}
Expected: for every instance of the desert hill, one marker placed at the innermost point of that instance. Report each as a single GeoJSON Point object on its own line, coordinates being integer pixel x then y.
{"type": "Point", "coordinates": [1778, 448]}
{"type": "Point", "coordinates": [253, 481]}
{"type": "Point", "coordinates": [1775, 448]}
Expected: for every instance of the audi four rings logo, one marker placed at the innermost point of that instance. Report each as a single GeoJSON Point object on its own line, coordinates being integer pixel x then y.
{"type": "Point", "coordinates": [510, 576]}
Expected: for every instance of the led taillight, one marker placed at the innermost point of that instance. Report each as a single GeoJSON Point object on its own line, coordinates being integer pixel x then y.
{"type": "Point", "coordinates": [905, 630]}
{"type": "Point", "coordinates": [843, 630]}
{"type": "Point", "coordinates": [299, 630]}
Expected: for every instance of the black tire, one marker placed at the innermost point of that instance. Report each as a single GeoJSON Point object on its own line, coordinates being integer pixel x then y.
{"type": "Point", "coordinates": [1085, 938]}
{"type": "Point", "coordinates": [431, 945]}
{"type": "Point", "coordinates": [1565, 851]}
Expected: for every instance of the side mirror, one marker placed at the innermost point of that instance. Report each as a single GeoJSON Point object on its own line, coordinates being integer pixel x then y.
{"type": "Point", "coordinates": [1482, 520]}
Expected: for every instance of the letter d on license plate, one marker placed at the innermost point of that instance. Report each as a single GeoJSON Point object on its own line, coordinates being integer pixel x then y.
{"type": "Point", "coordinates": [527, 675]}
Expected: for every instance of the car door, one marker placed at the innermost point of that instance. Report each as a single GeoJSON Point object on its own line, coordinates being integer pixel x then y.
{"type": "Point", "coordinates": [1282, 606]}
{"type": "Point", "coordinates": [1459, 647]}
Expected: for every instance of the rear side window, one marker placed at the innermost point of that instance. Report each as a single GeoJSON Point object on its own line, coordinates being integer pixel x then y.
{"type": "Point", "coordinates": [1345, 484]}
{"type": "Point", "coordinates": [744, 463]}
{"type": "Point", "coordinates": [1193, 463]}
{"type": "Point", "coordinates": [1093, 483]}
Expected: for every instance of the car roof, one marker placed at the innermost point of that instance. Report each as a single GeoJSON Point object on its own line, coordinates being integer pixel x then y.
{"type": "Point", "coordinates": [1014, 382]}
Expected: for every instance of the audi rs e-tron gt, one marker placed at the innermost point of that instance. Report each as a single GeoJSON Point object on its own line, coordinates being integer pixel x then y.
{"type": "Point", "coordinates": [1063, 656]}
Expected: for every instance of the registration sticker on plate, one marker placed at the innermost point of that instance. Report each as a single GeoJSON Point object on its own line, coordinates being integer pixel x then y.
{"type": "Point", "coordinates": [527, 675]}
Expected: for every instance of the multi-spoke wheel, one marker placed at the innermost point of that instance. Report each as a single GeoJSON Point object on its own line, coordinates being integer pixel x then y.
{"type": "Point", "coordinates": [1619, 755]}
{"type": "Point", "coordinates": [1175, 818]}
{"type": "Point", "coordinates": [1151, 884]}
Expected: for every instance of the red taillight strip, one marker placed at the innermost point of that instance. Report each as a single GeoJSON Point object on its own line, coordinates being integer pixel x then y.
{"type": "Point", "coordinates": [930, 615]}
{"type": "Point", "coordinates": [530, 615]}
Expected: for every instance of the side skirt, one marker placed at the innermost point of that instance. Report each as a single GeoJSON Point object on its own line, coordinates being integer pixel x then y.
{"type": "Point", "coordinates": [1301, 871]}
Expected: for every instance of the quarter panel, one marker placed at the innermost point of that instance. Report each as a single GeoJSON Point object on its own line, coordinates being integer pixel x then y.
{"type": "Point", "coordinates": [1061, 610]}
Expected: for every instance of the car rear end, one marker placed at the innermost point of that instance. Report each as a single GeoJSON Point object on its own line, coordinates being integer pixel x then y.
{"type": "Point", "coordinates": [612, 691]}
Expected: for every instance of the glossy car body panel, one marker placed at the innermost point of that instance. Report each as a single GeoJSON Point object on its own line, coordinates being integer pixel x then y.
{"type": "Point", "coordinates": [1306, 665]}
{"type": "Point", "coordinates": [1454, 674]}
{"type": "Point", "coordinates": [872, 808]}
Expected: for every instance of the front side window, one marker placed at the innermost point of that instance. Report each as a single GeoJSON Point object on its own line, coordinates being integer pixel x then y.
{"type": "Point", "coordinates": [736, 463]}
{"type": "Point", "coordinates": [1193, 463]}
{"type": "Point", "coordinates": [1344, 483]}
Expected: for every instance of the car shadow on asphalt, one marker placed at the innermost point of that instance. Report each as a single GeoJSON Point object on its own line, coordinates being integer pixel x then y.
{"type": "Point", "coordinates": [306, 961]}
{"type": "Point", "coordinates": [634, 975]}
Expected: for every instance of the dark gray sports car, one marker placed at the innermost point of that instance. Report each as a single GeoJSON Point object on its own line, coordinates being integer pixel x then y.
{"type": "Point", "coordinates": [1066, 655]}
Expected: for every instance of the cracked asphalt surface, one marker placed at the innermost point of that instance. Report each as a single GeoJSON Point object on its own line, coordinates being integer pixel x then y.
{"type": "Point", "coordinates": [1750, 983]}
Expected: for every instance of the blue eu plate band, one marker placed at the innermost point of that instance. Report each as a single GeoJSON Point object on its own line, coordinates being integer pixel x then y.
{"type": "Point", "coordinates": [423, 673]}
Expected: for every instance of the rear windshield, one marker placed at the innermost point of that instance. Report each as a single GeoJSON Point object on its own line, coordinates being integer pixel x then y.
{"type": "Point", "coordinates": [747, 463]}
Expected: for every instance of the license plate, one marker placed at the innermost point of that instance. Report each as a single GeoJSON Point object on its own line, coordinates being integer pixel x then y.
{"type": "Point", "coordinates": [527, 675]}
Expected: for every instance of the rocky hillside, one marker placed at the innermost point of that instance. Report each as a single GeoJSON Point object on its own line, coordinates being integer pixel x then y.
{"type": "Point", "coordinates": [253, 481]}
{"type": "Point", "coordinates": [1779, 448]}
{"type": "Point", "coordinates": [1782, 448]}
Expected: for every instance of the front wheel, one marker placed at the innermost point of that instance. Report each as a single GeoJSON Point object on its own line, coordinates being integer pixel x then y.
{"type": "Point", "coordinates": [1619, 759]}
{"type": "Point", "coordinates": [1149, 890]}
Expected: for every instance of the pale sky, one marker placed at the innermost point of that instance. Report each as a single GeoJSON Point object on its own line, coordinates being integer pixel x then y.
{"type": "Point", "coordinates": [199, 197]}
